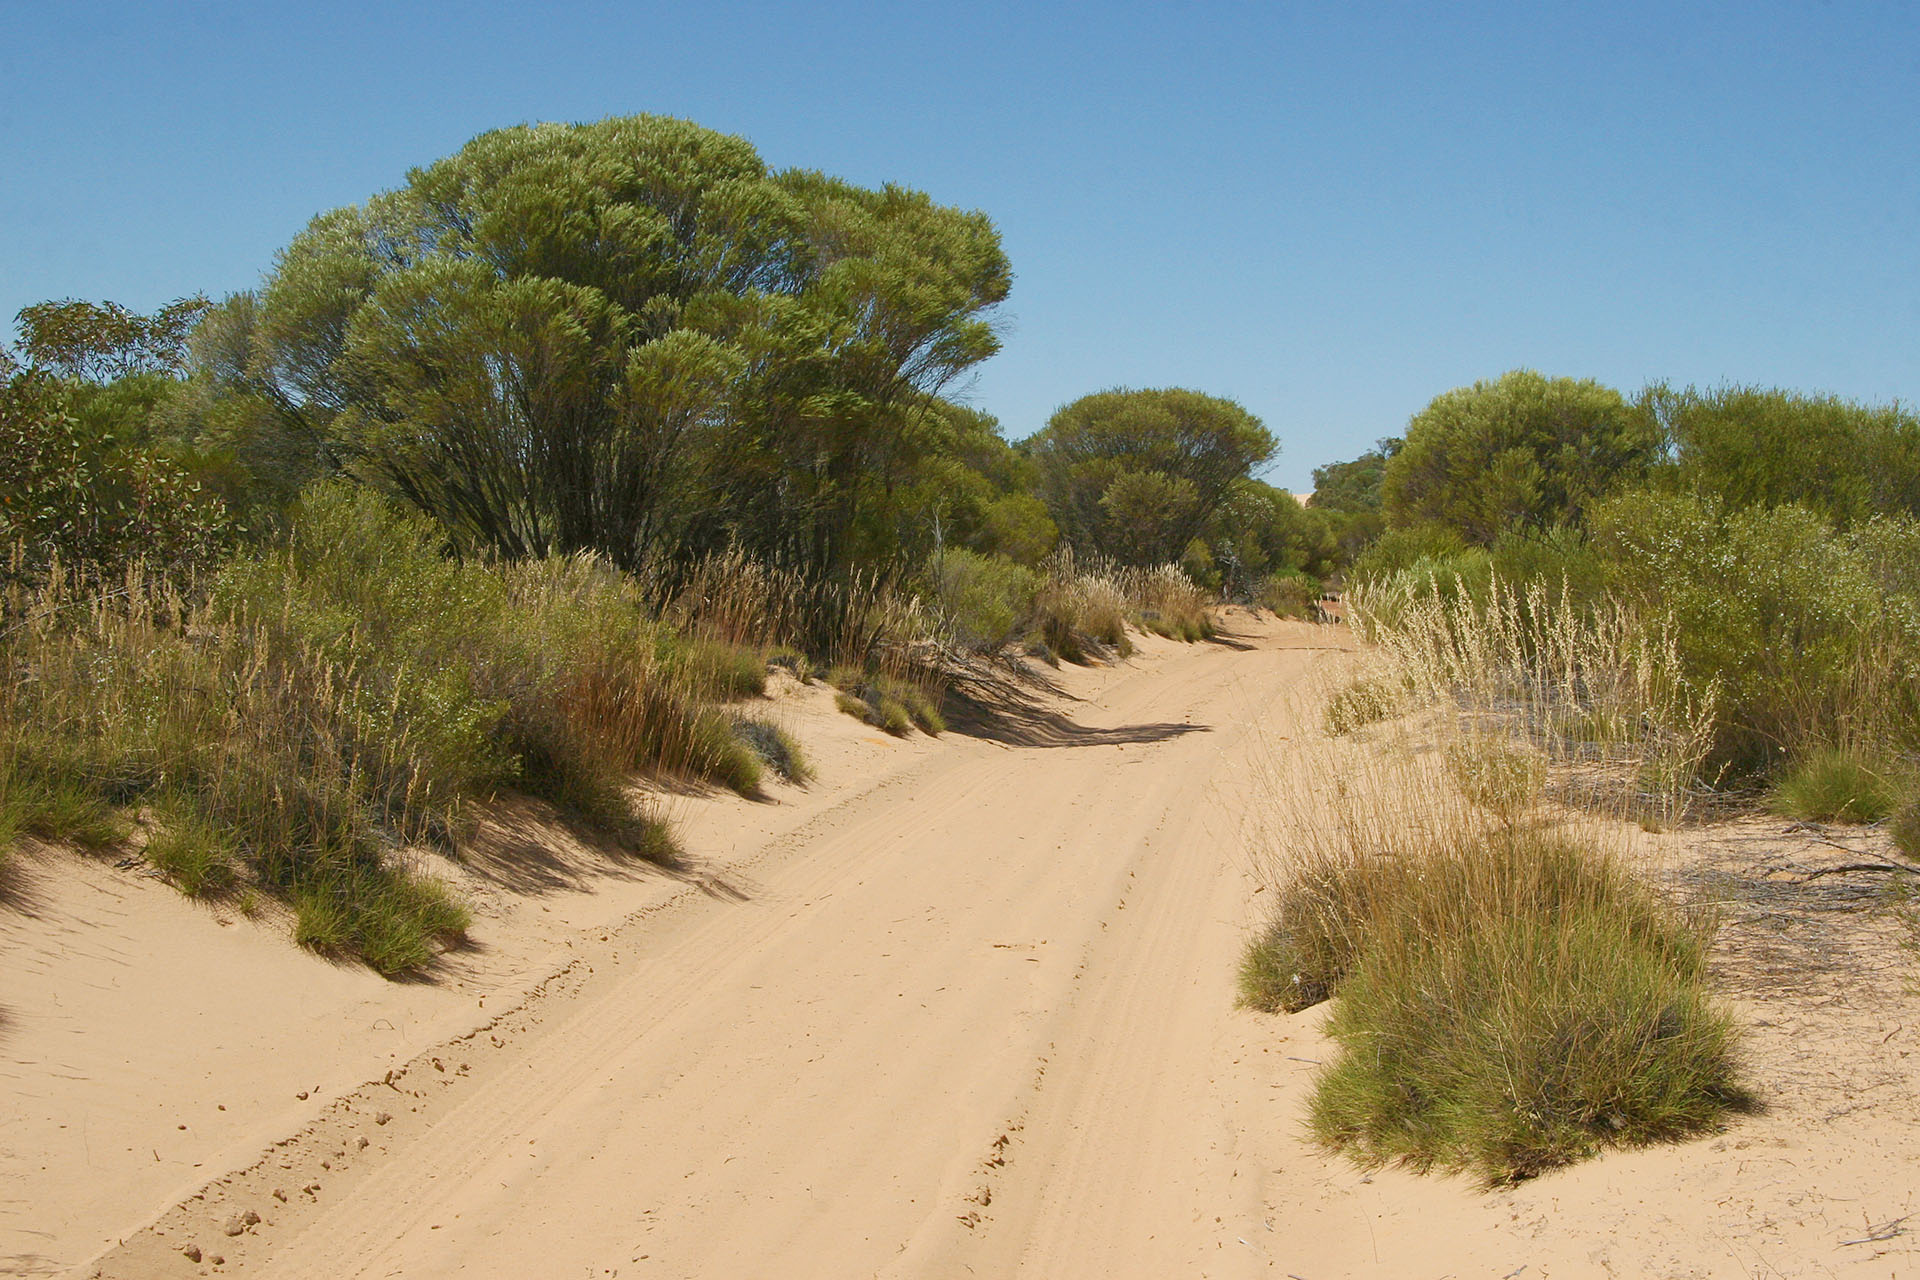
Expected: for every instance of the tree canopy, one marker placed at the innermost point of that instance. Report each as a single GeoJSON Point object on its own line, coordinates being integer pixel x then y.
{"type": "Point", "coordinates": [1523, 450]}
{"type": "Point", "coordinates": [1750, 446]}
{"type": "Point", "coordinates": [1136, 475]}
{"type": "Point", "coordinates": [630, 337]}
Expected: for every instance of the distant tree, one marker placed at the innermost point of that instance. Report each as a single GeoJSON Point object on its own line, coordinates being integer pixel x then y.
{"type": "Point", "coordinates": [1749, 446]}
{"type": "Point", "coordinates": [1355, 485]}
{"type": "Point", "coordinates": [104, 341]}
{"type": "Point", "coordinates": [1137, 475]}
{"type": "Point", "coordinates": [1521, 450]}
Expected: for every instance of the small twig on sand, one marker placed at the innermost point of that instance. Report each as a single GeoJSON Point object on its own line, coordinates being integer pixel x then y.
{"type": "Point", "coordinates": [1883, 1231]}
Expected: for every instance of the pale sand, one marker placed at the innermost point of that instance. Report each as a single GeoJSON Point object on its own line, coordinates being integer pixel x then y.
{"type": "Point", "coordinates": [963, 1007]}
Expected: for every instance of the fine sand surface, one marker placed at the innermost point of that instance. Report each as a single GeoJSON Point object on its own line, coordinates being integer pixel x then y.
{"type": "Point", "coordinates": [964, 1007]}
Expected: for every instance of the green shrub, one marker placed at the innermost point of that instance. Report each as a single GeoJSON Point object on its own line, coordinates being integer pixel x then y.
{"type": "Point", "coordinates": [1289, 593]}
{"type": "Point", "coordinates": [1837, 785]}
{"type": "Point", "coordinates": [1517, 1004]}
{"type": "Point", "coordinates": [982, 599]}
{"type": "Point", "coordinates": [1807, 631]}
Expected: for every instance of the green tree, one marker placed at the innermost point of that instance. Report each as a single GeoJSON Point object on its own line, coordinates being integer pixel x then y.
{"type": "Point", "coordinates": [104, 341]}
{"type": "Point", "coordinates": [1521, 450]}
{"type": "Point", "coordinates": [1137, 475]}
{"type": "Point", "coordinates": [1749, 446]}
{"type": "Point", "coordinates": [630, 337]}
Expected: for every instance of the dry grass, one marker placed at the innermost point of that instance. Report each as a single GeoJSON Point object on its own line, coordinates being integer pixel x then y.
{"type": "Point", "coordinates": [1455, 868]}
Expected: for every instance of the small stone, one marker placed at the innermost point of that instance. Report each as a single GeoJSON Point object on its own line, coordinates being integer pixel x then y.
{"type": "Point", "coordinates": [236, 1225]}
{"type": "Point", "coordinates": [279, 1195]}
{"type": "Point", "coordinates": [382, 1118]}
{"type": "Point", "coordinates": [363, 1142]}
{"type": "Point", "coordinates": [302, 1095]}
{"type": "Point", "coordinates": [217, 1260]}
{"type": "Point", "coordinates": [193, 1252]}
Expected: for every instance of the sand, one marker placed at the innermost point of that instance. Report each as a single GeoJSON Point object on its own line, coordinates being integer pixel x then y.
{"type": "Point", "coordinates": [962, 1007]}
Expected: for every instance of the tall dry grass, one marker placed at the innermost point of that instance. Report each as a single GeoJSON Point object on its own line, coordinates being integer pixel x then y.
{"type": "Point", "coordinates": [292, 724]}
{"type": "Point", "coordinates": [1457, 869]}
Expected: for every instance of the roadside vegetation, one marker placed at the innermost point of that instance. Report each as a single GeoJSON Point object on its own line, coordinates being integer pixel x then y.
{"type": "Point", "coordinates": [523, 476]}
{"type": "Point", "coordinates": [1588, 614]}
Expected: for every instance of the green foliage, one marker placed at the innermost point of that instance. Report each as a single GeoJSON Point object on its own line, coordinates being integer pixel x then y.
{"type": "Point", "coordinates": [1354, 486]}
{"type": "Point", "coordinates": [631, 337]}
{"type": "Point", "coordinates": [1838, 784]}
{"type": "Point", "coordinates": [1134, 476]}
{"type": "Point", "coordinates": [1748, 446]}
{"type": "Point", "coordinates": [1397, 550]}
{"type": "Point", "coordinates": [1523, 449]}
{"type": "Point", "coordinates": [983, 600]}
{"type": "Point", "coordinates": [104, 341]}
{"type": "Point", "coordinates": [87, 503]}
{"type": "Point", "coordinates": [1514, 1004]}
{"type": "Point", "coordinates": [194, 852]}
{"type": "Point", "coordinates": [1813, 635]}
{"type": "Point", "coordinates": [1289, 594]}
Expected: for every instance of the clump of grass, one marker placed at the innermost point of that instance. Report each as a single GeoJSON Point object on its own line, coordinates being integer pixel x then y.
{"type": "Point", "coordinates": [1837, 784]}
{"type": "Point", "coordinates": [793, 661]}
{"type": "Point", "coordinates": [1520, 1004]}
{"type": "Point", "coordinates": [717, 669]}
{"type": "Point", "coordinates": [887, 702]}
{"type": "Point", "coordinates": [1905, 828]}
{"type": "Point", "coordinates": [341, 691]}
{"type": "Point", "coordinates": [1362, 702]}
{"type": "Point", "coordinates": [776, 747]}
{"type": "Point", "coordinates": [194, 852]}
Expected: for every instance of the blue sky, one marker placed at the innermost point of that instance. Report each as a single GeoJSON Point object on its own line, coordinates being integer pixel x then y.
{"type": "Point", "coordinates": [1329, 212]}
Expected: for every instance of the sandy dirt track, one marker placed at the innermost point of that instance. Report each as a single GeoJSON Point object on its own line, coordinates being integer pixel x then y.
{"type": "Point", "coordinates": [962, 1008]}
{"type": "Point", "coordinates": [971, 1020]}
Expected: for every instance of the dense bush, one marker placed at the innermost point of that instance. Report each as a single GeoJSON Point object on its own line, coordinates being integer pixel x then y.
{"type": "Point", "coordinates": [983, 600]}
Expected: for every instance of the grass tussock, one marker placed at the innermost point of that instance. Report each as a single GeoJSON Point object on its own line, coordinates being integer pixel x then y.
{"type": "Point", "coordinates": [776, 748]}
{"type": "Point", "coordinates": [1838, 784]}
{"type": "Point", "coordinates": [1509, 993]}
{"type": "Point", "coordinates": [887, 702]}
{"type": "Point", "coordinates": [1904, 826]}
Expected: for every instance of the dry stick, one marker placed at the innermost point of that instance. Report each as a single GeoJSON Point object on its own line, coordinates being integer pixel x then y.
{"type": "Point", "coordinates": [1862, 866]}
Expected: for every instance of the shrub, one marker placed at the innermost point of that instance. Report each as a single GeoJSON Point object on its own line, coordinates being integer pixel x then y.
{"type": "Point", "coordinates": [1521, 1004]}
{"type": "Point", "coordinates": [1289, 593]}
{"type": "Point", "coordinates": [716, 669]}
{"type": "Point", "coordinates": [776, 747]}
{"type": "Point", "coordinates": [983, 600]}
{"type": "Point", "coordinates": [1836, 784]}
{"type": "Point", "coordinates": [1363, 702]}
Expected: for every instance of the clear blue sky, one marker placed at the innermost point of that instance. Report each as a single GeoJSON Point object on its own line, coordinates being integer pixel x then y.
{"type": "Point", "coordinates": [1329, 212]}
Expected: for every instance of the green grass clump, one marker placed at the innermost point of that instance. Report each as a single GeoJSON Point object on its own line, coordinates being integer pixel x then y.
{"type": "Point", "coordinates": [1837, 785]}
{"type": "Point", "coordinates": [887, 702]}
{"type": "Point", "coordinates": [794, 661]}
{"type": "Point", "coordinates": [193, 852]}
{"type": "Point", "coordinates": [776, 747]}
{"type": "Point", "coordinates": [393, 919]}
{"type": "Point", "coordinates": [1514, 1003]}
{"type": "Point", "coordinates": [716, 669]}
{"type": "Point", "coordinates": [1905, 828]}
